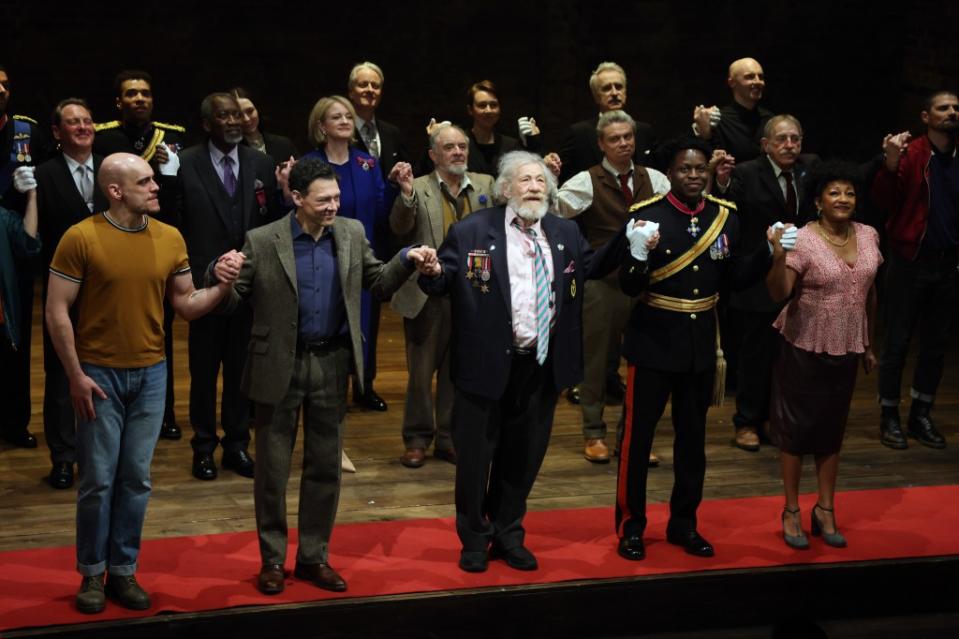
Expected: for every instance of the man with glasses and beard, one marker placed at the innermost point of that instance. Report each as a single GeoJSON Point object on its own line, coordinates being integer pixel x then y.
{"type": "Point", "coordinates": [515, 277]}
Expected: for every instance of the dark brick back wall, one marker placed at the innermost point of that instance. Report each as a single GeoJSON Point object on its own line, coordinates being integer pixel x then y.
{"type": "Point", "coordinates": [851, 71]}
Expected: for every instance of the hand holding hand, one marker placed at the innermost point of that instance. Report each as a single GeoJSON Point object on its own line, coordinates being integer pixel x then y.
{"type": "Point", "coordinates": [722, 164]}
{"type": "Point", "coordinates": [781, 238]}
{"type": "Point", "coordinates": [402, 175]}
{"type": "Point", "coordinates": [24, 179]}
{"type": "Point", "coordinates": [553, 163]}
{"type": "Point", "coordinates": [162, 154]}
{"type": "Point", "coordinates": [425, 260]}
{"type": "Point", "coordinates": [894, 147]}
{"type": "Point", "coordinates": [227, 267]}
{"type": "Point", "coordinates": [169, 161]}
{"type": "Point", "coordinates": [527, 127]}
{"type": "Point", "coordinates": [643, 237]}
{"type": "Point", "coordinates": [702, 122]}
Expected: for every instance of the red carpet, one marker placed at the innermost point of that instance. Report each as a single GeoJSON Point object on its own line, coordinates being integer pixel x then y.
{"type": "Point", "coordinates": [381, 558]}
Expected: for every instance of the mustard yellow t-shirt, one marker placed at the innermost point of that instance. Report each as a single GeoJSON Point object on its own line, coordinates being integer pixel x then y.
{"type": "Point", "coordinates": [122, 275]}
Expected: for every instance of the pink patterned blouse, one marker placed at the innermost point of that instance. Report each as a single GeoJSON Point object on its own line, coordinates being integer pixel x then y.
{"type": "Point", "coordinates": [827, 312]}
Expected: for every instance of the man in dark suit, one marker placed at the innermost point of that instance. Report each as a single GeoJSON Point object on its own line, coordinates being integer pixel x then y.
{"type": "Point", "coordinates": [579, 150]}
{"type": "Point", "coordinates": [375, 136]}
{"type": "Point", "coordinates": [66, 194]}
{"type": "Point", "coordinates": [767, 189]}
{"type": "Point", "coordinates": [515, 276]}
{"type": "Point", "coordinates": [158, 143]}
{"type": "Point", "coordinates": [224, 190]}
{"type": "Point", "coordinates": [302, 275]}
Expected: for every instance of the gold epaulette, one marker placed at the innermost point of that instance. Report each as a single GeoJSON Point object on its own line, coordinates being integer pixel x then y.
{"type": "Point", "coordinates": [721, 202]}
{"type": "Point", "coordinates": [103, 126]}
{"type": "Point", "coordinates": [25, 118]}
{"type": "Point", "coordinates": [646, 202]}
{"type": "Point", "coordinates": [169, 127]}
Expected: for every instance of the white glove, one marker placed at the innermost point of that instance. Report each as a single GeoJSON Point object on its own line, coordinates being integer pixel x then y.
{"type": "Point", "coordinates": [638, 236]}
{"type": "Point", "coordinates": [527, 126]}
{"type": "Point", "coordinates": [714, 116]}
{"type": "Point", "coordinates": [788, 239]}
{"type": "Point", "coordinates": [172, 165]}
{"type": "Point", "coordinates": [24, 180]}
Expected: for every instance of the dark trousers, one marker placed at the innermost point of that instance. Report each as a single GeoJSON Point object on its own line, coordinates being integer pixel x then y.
{"type": "Point", "coordinates": [647, 391]}
{"type": "Point", "coordinates": [500, 446]}
{"type": "Point", "coordinates": [15, 363]}
{"type": "Point", "coordinates": [168, 315]}
{"type": "Point", "coordinates": [318, 385]}
{"type": "Point", "coordinates": [428, 355]}
{"type": "Point", "coordinates": [918, 295]}
{"type": "Point", "coordinates": [213, 340]}
{"type": "Point", "coordinates": [59, 420]}
{"type": "Point", "coordinates": [758, 345]}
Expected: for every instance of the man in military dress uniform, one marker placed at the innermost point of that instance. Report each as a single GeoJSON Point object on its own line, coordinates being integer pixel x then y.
{"type": "Point", "coordinates": [158, 143]}
{"type": "Point", "coordinates": [19, 146]}
{"type": "Point", "coordinates": [682, 247]}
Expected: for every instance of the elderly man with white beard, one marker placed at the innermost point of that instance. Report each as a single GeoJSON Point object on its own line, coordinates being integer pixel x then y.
{"type": "Point", "coordinates": [515, 279]}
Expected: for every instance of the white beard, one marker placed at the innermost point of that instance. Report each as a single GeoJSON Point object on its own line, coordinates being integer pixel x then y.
{"type": "Point", "coordinates": [529, 211]}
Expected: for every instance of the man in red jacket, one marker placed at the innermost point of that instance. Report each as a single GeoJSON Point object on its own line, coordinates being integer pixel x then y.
{"type": "Point", "coordinates": [919, 191]}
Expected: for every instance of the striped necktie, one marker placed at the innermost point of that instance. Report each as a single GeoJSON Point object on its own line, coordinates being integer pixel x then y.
{"type": "Point", "coordinates": [543, 311]}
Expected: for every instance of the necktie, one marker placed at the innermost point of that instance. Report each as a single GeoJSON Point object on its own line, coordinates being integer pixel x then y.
{"type": "Point", "coordinates": [624, 185]}
{"type": "Point", "coordinates": [86, 186]}
{"type": "Point", "coordinates": [369, 137]}
{"type": "Point", "coordinates": [229, 177]}
{"type": "Point", "coordinates": [791, 204]}
{"type": "Point", "coordinates": [543, 311]}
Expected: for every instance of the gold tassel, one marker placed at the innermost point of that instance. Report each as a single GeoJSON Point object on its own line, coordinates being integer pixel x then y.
{"type": "Point", "coordinates": [719, 381]}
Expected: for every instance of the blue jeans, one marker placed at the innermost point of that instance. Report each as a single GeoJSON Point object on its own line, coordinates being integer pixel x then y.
{"type": "Point", "coordinates": [114, 452]}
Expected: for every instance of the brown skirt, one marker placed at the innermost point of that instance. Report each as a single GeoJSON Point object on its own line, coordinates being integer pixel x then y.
{"type": "Point", "coordinates": [809, 406]}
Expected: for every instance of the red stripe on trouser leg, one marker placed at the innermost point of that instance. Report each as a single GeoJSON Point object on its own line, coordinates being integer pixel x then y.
{"type": "Point", "coordinates": [624, 449]}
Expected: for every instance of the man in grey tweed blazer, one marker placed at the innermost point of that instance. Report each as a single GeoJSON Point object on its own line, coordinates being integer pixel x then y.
{"type": "Point", "coordinates": [302, 275]}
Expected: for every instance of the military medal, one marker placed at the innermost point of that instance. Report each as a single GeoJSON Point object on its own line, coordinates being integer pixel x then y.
{"type": "Point", "coordinates": [478, 267]}
{"type": "Point", "coordinates": [572, 288]}
{"type": "Point", "coordinates": [21, 157]}
{"type": "Point", "coordinates": [693, 228]}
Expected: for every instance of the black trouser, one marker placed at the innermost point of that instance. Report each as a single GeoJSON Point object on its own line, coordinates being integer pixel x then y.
{"type": "Point", "coordinates": [500, 446]}
{"type": "Point", "coordinates": [647, 391]}
{"type": "Point", "coordinates": [215, 339]}
{"type": "Point", "coordinates": [59, 419]}
{"type": "Point", "coordinates": [758, 344]}
{"type": "Point", "coordinates": [15, 364]}
{"type": "Point", "coordinates": [169, 314]}
{"type": "Point", "coordinates": [919, 294]}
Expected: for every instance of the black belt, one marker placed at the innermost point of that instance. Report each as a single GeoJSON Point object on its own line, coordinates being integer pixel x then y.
{"type": "Point", "coordinates": [325, 344]}
{"type": "Point", "coordinates": [524, 352]}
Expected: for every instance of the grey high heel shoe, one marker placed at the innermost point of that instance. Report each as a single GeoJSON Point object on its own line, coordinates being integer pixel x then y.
{"type": "Point", "coordinates": [834, 539]}
{"type": "Point", "coordinates": [800, 541]}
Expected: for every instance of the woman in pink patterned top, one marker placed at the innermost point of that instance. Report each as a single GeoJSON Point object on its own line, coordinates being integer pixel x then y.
{"type": "Point", "coordinates": [827, 331]}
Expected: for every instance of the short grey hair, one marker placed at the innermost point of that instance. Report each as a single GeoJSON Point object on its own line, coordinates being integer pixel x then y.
{"type": "Point", "coordinates": [613, 117]}
{"type": "Point", "coordinates": [604, 66]}
{"type": "Point", "coordinates": [439, 128]}
{"type": "Point", "coordinates": [510, 163]}
{"type": "Point", "coordinates": [776, 120]}
{"type": "Point", "coordinates": [366, 64]}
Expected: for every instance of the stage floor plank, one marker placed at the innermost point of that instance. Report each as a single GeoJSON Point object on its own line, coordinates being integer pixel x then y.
{"type": "Point", "coordinates": [34, 515]}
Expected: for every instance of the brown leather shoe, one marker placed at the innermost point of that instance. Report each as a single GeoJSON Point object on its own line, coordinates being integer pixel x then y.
{"type": "Point", "coordinates": [322, 575]}
{"type": "Point", "coordinates": [271, 580]}
{"type": "Point", "coordinates": [413, 457]}
{"type": "Point", "coordinates": [746, 439]}
{"type": "Point", "coordinates": [596, 451]}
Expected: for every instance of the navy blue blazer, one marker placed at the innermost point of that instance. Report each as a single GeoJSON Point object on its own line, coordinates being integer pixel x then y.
{"type": "Point", "coordinates": [482, 342]}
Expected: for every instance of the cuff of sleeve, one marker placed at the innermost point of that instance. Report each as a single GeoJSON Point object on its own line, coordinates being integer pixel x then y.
{"type": "Point", "coordinates": [406, 261]}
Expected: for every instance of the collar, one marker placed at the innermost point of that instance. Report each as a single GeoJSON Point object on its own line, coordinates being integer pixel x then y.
{"type": "Point", "coordinates": [777, 170]}
{"type": "Point", "coordinates": [511, 215]}
{"type": "Point", "coordinates": [682, 208]}
{"type": "Point", "coordinates": [297, 230]}
{"type": "Point", "coordinates": [612, 171]}
{"type": "Point", "coordinates": [935, 151]}
{"type": "Point", "coordinates": [216, 155]}
{"type": "Point", "coordinates": [464, 182]}
{"type": "Point", "coordinates": [359, 122]}
{"type": "Point", "coordinates": [73, 164]}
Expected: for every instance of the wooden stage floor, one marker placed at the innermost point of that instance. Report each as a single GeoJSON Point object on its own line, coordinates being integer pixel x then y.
{"type": "Point", "coordinates": [35, 515]}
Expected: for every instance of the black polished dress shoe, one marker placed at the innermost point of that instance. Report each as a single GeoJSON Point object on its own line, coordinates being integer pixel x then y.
{"type": "Point", "coordinates": [572, 394]}
{"type": "Point", "coordinates": [170, 430]}
{"type": "Point", "coordinates": [632, 548]}
{"type": "Point", "coordinates": [203, 466]}
{"type": "Point", "coordinates": [518, 557]}
{"type": "Point", "coordinates": [473, 560]}
{"type": "Point", "coordinates": [890, 429]}
{"type": "Point", "coordinates": [61, 476]}
{"type": "Point", "coordinates": [370, 400]}
{"type": "Point", "coordinates": [691, 542]}
{"type": "Point", "coordinates": [22, 439]}
{"type": "Point", "coordinates": [240, 462]}
{"type": "Point", "coordinates": [321, 575]}
{"type": "Point", "coordinates": [921, 427]}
